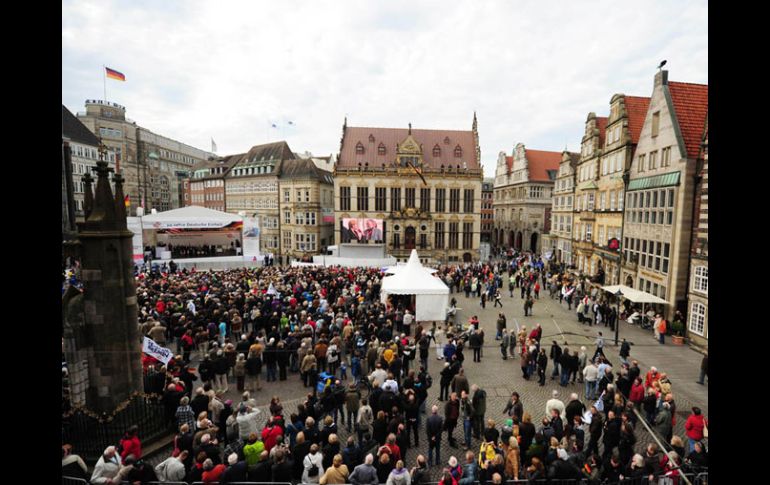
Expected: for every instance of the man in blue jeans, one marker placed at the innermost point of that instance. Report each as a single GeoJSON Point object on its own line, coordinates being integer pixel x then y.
{"type": "Point", "coordinates": [434, 427]}
{"type": "Point", "coordinates": [467, 408]}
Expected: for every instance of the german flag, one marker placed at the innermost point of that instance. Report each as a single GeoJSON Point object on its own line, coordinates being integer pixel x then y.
{"type": "Point", "coordinates": [113, 74]}
{"type": "Point", "coordinates": [127, 201]}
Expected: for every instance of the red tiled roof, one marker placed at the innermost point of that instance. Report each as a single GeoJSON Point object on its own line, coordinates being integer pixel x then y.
{"type": "Point", "coordinates": [509, 162]}
{"type": "Point", "coordinates": [540, 162]}
{"type": "Point", "coordinates": [636, 110]}
{"type": "Point", "coordinates": [601, 123]}
{"type": "Point", "coordinates": [691, 103]}
{"type": "Point", "coordinates": [390, 137]}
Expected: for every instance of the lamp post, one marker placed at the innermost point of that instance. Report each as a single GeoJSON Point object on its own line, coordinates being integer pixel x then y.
{"type": "Point", "coordinates": [618, 294]}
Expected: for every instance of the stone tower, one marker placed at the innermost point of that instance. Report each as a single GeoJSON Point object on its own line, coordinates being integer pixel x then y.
{"type": "Point", "coordinates": [100, 325]}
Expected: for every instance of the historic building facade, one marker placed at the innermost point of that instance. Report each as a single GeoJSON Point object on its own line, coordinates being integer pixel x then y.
{"type": "Point", "coordinates": [698, 294]}
{"type": "Point", "coordinates": [562, 208]}
{"type": "Point", "coordinates": [84, 153]}
{"type": "Point", "coordinates": [587, 173]}
{"type": "Point", "coordinates": [207, 185]}
{"type": "Point", "coordinates": [154, 166]}
{"type": "Point", "coordinates": [436, 211]}
{"type": "Point", "coordinates": [659, 201]}
{"type": "Point", "coordinates": [624, 124]}
{"type": "Point", "coordinates": [487, 211]}
{"type": "Point", "coordinates": [523, 187]}
{"type": "Point", "coordinates": [306, 207]}
{"type": "Point", "coordinates": [251, 186]}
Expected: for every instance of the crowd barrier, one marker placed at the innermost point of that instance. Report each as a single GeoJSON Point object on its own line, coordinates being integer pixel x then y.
{"type": "Point", "coordinates": [695, 479]}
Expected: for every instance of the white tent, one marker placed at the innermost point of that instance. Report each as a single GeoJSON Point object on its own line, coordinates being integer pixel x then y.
{"type": "Point", "coordinates": [400, 266]}
{"type": "Point", "coordinates": [190, 217]}
{"type": "Point", "coordinates": [636, 296]}
{"type": "Point", "coordinates": [432, 295]}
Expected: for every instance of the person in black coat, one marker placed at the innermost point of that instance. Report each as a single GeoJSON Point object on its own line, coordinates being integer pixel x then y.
{"type": "Point", "coordinates": [262, 471]}
{"type": "Point", "coordinates": [282, 469]}
{"type": "Point", "coordinates": [595, 429]}
{"type": "Point", "coordinates": [300, 451]}
{"type": "Point", "coordinates": [611, 435]}
{"type": "Point", "coordinates": [236, 472]}
{"type": "Point", "coordinates": [199, 403]}
{"type": "Point", "coordinates": [542, 363]}
{"type": "Point", "coordinates": [555, 355]}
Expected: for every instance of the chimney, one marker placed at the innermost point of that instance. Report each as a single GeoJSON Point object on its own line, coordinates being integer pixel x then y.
{"type": "Point", "coordinates": [661, 78]}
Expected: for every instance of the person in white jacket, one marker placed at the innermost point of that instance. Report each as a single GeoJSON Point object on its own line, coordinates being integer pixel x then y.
{"type": "Point", "coordinates": [172, 469]}
{"type": "Point", "coordinates": [247, 421]}
{"type": "Point", "coordinates": [555, 403]}
{"type": "Point", "coordinates": [107, 467]}
{"type": "Point", "coordinates": [313, 459]}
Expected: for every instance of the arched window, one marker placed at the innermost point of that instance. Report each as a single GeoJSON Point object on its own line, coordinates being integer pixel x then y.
{"type": "Point", "coordinates": [381, 149]}
{"type": "Point", "coordinates": [458, 151]}
{"type": "Point", "coordinates": [360, 148]}
{"type": "Point", "coordinates": [436, 151]}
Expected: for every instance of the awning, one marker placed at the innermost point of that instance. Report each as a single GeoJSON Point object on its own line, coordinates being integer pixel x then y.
{"type": "Point", "coordinates": [636, 296]}
{"type": "Point", "coordinates": [656, 181]}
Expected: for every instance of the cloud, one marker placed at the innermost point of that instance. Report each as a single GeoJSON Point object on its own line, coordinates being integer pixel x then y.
{"type": "Point", "coordinates": [531, 70]}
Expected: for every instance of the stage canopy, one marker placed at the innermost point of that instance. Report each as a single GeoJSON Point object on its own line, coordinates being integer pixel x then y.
{"type": "Point", "coordinates": [635, 296]}
{"type": "Point", "coordinates": [192, 217]}
{"type": "Point", "coordinates": [431, 294]}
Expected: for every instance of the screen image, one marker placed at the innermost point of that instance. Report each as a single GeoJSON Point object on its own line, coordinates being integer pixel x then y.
{"type": "Point", "coordinates": [362, 229]}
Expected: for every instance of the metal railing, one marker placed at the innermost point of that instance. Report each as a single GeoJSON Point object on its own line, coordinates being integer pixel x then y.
{"type": "Point", "coordinates": [696, 479]}
{"type": "Point", "coordinates": [90, 434]}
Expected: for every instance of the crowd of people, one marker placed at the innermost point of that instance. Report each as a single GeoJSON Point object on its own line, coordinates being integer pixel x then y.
{"type": "Point", "coordinates": [316, 324]}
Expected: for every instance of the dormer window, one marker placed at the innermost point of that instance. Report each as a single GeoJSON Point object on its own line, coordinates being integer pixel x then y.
{"type": "Point", "coordinates": [371, 138]}
{"type": "Point", "coordinates": [381, 149]}
{"type": "Point", "coordinates": [458, 151]}
{"type": "Point", "coordinates": [436, 151]}
{"type": "Point", "coordinates": [360, 148]}
{"type": "Point", "coordinates": [446, 141]}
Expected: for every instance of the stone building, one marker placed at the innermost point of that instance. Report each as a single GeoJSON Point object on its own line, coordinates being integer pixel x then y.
{"type": "Point", "coordinates": [698, 294]}
{"type": "Point", "coordinates": [437, 213]}
{"type": "Point", "coordinates": [154, 166]}
{"type": "Point", "coordinates": [659, 202]}
{"type": "Point", "coordinates": [624, 124]}
{"type": "Point", "coordinates": [251, 186]}
{"type": "Point", "coordinates": [307, 209]}
{"type": "Point", "coordinates": [523, 187]}
{"type": "Point", "coordinates": [562, 208]}
{"type": "Point", "coordinates": [83, 148]}
{"type": "Point", "coordinates": [587, 173]}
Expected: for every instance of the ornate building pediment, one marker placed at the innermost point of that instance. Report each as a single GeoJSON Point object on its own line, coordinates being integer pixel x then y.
{"type": "Point", "coordinates": [410, 213]}
{"type": "Point", "coordinates": [409, 151]}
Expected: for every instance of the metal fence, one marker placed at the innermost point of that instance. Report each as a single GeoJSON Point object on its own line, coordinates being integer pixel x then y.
{"type": "Point", "coordinates": [90, 434]}
{"type": "Point", "coordinates": [695, 479]}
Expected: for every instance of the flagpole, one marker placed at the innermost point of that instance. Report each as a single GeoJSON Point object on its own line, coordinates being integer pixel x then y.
{"type": "Point", "coordinates": [104, 76]}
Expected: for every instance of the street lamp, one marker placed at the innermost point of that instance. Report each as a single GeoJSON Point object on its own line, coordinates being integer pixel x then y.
{"type": "Point", "coordinates": [618, 294]}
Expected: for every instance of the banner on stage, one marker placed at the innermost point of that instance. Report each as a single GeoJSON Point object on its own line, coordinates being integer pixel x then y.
{"type": "Point", "coordinates": [153, 349]}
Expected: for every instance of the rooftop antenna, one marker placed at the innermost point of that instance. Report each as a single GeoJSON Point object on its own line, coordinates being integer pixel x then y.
{"type": "Point", "coordinates": [662, 64]}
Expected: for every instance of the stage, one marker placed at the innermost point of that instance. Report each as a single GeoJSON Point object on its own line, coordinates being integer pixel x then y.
{"type": "Point", "coordinates": [218, 262]}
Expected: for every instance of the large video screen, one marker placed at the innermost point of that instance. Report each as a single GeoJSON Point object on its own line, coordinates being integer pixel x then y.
{"type": "Point", "coordinates": [362, 229]}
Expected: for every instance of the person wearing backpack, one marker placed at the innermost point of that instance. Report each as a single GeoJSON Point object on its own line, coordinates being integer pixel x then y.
{"type": "Point", "coordinates": [313, 466]}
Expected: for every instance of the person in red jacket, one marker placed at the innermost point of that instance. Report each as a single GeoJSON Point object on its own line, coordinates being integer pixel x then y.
{"type": "Point", "coordinates": [211, 473]}
{"type": "Point", "coordinates": [160, 306]}
{"type": "Point", "coordinates": [131, 444]}
{"type": "Point", "coordinates": [694, 427]}
{"type": "Point", "coordinates": [270, 434]}
{"type": "Point", "coordinates": [637, 393]}
{"type": "Point", "coordinates": [652, 376]}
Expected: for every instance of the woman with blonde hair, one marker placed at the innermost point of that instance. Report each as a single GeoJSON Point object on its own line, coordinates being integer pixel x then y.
{"type": "Point", "coordinates": [337, 473]}
{"type": "Point", "coordinates": [512, 459]}
{"type": "Point", "coordinates": [527, 431]}
{"type": "Point", "coordinates": [399, 475]}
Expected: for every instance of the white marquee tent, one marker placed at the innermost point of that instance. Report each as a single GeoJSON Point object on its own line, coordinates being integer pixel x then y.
{"type": "Point", "coordinates": [432, 295]}
{"type": "Point", "coordinates": [190, 217]}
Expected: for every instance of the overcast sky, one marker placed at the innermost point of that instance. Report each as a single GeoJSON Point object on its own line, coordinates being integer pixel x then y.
{"type": "Point", "coordinates": [532, 70]}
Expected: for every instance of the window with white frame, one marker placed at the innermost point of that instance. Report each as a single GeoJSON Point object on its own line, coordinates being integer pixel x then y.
{"type": "Point", "coordinates": [299, 218]}
{"type": "Point", "coordinates": [697, 318]}
{"type": "Point", "coordinates": [701, 281]}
